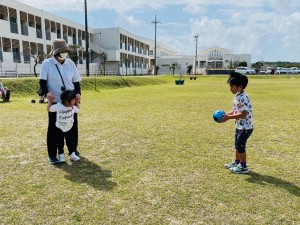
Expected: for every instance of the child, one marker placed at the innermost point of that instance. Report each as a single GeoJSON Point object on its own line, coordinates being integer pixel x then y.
{"type": "Point", "coordinates": [242, 114]}
{"type": "Point", "coordinates": [64, 121]}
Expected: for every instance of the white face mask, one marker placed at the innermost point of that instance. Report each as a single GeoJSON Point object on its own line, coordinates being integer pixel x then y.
{"type": "Point", "coordinates": [63, 56]}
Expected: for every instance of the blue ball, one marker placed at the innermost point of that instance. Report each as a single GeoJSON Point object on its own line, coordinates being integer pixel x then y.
{"type": "Point", "coordinates": [218, 114]}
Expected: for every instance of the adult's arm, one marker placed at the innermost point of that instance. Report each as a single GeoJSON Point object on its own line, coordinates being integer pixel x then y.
{"type": "Point", "coordinates": [43, 86]}
{"type": "Point", "coordinates": [77, 88]}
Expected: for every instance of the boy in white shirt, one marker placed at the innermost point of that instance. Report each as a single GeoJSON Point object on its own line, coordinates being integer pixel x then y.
{"type": "Point", "coordinates": [242, 113]}
{"type": "Point", "coordinates": [64, 122]}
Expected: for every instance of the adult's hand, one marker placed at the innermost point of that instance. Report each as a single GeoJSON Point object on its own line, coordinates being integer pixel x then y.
{"type": "Point", "coordinates": [78, 97]}
{"type": "Point", "coordinates": [50, 96]}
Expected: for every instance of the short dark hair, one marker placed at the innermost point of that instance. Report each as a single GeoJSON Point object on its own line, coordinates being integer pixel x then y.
{"type": "Point", "coordinates": [238, 79]}
{"type": "Point", "coordinates": [67, 96]}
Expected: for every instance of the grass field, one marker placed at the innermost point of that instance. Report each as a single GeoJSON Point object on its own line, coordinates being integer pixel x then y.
{"type": "Point", "coordinates": [152, 154]}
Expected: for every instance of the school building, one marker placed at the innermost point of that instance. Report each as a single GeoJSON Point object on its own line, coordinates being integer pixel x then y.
{"type": "Point", "coordinates": [28, 33]}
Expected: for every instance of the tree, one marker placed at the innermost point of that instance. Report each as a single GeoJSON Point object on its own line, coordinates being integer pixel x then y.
{"type": "Point", "coordinates": [257, 66]}
{"type": "Point", "coordinates": [242, 63]}
{"type": "Point", "coordinates": [37, 58]}
{"type": "Point", "coordinates": [189, 69]}
{"type": "Point", "coordinates": [127, 63]}
{"type": "Point", "coordinates": [103, 58]}
{"type": "Point", "coordinates": [73, 53]}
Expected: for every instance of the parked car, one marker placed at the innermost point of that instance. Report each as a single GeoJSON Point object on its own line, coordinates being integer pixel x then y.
{"type": "Point", "coordinates": [295, 70]}
{"type": "Point", "coordinates": [270, 70]}
{"type": "Point", "coordinates": [262, 72]}
{"type": "Point", "coordinates": [244, 70]}
{"type": "Point", "coordinates": [281, 70]}
{"type": "Point", "coordinates": [252, 71]}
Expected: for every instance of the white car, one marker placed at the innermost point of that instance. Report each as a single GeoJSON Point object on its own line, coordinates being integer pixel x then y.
{"type": "Point", "coordinates": [244, 70]}
{"type": "Point", "coordinates": [262, 72]}
{"type": "Point", "coordinates": [281, 70]}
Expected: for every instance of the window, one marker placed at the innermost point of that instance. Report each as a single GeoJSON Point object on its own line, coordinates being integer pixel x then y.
{"type": "Point", "coordinates": [48, 30]}
{"type": "Point", "coordinates": [16, 51]}
{"type": "Point", "coordinates": [13, 21]}
{"type": "Point", "coordinates": [24, 24]}
{"type": "Point", "coordinates": [31, 21]}
{"type": "Point", "coordinates": [3, 12]}
{"type": "Point", "coordinates": [38, 26]}
{"type": "Point", "coordinates": [1, 53]}
{"type": "Point", "coordinates": [26, 52]}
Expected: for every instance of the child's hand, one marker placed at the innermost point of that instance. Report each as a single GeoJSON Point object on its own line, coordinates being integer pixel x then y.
{"type": "Point", "coordinates": [224, 118]}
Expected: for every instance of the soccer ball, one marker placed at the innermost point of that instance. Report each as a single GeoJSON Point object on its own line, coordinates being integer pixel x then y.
{"type": "Point", "coordinates": [217, 115]}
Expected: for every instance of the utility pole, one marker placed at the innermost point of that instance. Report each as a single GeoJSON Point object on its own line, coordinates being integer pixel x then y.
{"type": "Point", "coordinates": [196, 37]}
{"type": "Point", "coordinates": [155, 22]}
{"type": "Point", "coordinates": [87, 40]}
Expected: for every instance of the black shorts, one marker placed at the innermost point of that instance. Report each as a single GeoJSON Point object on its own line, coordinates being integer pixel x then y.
{"type": "Point", "coordinates": [241, 137]}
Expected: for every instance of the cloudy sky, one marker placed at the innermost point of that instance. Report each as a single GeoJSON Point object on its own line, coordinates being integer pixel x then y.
{"type": "Point", "coordinates": [267, 29]}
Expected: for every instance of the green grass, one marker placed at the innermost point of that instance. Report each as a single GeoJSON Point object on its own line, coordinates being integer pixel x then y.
{"type": "Point", "coordinates": [152, 154]}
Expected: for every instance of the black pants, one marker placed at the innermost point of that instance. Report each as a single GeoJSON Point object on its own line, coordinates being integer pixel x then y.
{"type": "Point", "coordinates": [52, 142]}
{"type": "Point", "coordinates": [60, 138]}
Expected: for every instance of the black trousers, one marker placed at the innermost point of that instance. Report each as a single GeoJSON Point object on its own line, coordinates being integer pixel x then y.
{"type": "Point", "coordinates": [54, 143]}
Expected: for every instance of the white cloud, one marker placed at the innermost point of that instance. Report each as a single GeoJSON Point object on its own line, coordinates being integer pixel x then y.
{"type": "Point", "coordinates": [268, 29]}
{"type": "Point", "coordinates": [195, 9]}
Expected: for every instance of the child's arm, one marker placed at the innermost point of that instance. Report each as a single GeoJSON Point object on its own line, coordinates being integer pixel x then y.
{"type": "Point", "coordinates": [232, 116]}
{"type": "Point", "coordinates": [230, 113]}
{"type": "Point", "coordinates": [50, 101]}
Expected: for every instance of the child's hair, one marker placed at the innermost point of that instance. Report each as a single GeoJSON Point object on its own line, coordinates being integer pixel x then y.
{"type": "Point", "coordinates": [238, 79]}
{"type": "Point", "coordinates": [67, 96]}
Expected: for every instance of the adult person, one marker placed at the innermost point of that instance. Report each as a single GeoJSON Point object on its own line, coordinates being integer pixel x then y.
{"type": "Point", "coordinates": [58, 74]}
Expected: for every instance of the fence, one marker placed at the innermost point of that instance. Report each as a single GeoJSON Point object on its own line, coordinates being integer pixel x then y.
{"type": "Point", "coordinates": [9, 68]}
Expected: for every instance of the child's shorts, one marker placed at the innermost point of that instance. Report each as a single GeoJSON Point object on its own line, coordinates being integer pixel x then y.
{"type": "Point", "coordinates": [241, 137]}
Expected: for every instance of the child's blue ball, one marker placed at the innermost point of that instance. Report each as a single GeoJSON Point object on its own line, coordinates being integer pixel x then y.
{"type": "Point", "coordinates": [217, 115]}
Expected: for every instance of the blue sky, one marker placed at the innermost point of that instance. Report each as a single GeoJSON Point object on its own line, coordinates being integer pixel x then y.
{"type": "Point", "coordinates": [269, 30]}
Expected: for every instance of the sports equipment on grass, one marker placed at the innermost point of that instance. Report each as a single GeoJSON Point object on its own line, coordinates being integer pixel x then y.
{"type": "Point", "coordinates": [217, 115]}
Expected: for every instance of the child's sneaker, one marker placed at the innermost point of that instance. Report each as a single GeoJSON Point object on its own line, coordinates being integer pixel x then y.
{"type": "Point", "coordinates": [231, 165]}
{"type": "Point", "coordinates": [74, 157]}
{"type": "Point", "coordinates": [61, 157]}
{"type": "Point", "coordinates": [53, 160]}
{"type": "Point", "coordinates": [239, 169]}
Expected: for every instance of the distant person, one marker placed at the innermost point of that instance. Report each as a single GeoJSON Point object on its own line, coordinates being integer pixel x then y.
{"type": "Point", "coordinates": [58, 74]}
{"type": "Point", "coordinates": [273, 71]}
{"type": "Point", "coordinates": [243, 116]}
{"type": "Point", "coordinates": [65, 112]}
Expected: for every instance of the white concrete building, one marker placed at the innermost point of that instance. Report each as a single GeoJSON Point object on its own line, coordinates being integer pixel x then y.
{"type": "Point", "coordinates": [214, 58]}
{"type": "Point", "coordinates": [27, 32]}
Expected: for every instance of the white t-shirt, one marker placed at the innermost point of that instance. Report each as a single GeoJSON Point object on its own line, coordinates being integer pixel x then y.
{"type": "Point", "coordinates": [64, 116]}
{"type": "Point", "coordinates": [241, 102]}
{"type": "Point", "coordinates": [50, 73]}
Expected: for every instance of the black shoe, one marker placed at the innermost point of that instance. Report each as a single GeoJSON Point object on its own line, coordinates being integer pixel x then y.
{"type": "Point", "coordinates": [77, 153]}
{"type": "Point", "coordinates": [53, 160]}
